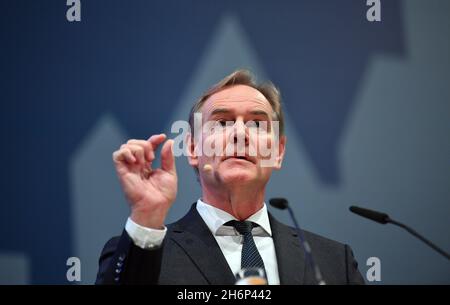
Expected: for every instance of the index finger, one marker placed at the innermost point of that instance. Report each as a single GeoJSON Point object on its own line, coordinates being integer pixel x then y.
{"type": "Point", "coordinates": [156, 140]}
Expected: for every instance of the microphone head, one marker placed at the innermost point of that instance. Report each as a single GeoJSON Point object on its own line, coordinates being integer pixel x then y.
{"type": "Point", "coordinates": [279, 203]}
{"type": "Point", "coordinates": [372, 215]}
{"type": "Point", "coordinates": [207, 168]}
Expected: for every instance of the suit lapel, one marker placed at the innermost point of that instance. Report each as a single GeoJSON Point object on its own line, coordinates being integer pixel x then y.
{"type": "Point", "coordinates": [192, 234]}
{"type": "Point", "coordinates": [290, 256]}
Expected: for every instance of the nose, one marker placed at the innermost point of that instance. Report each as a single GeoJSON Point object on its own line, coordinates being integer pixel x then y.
{"type": "Point", "coordinates": [240, 133]}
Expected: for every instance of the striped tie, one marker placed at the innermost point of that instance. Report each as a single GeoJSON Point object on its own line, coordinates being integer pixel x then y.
{"type": "Point", "coordinates": [250, 257]}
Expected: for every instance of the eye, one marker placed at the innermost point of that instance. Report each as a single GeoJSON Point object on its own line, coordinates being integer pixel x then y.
{"type": "Point", "coordinates": [222, 123]}
{"type": "Point", "coordinates": [261, 126]}
{"type": "Point", "coordinates": [225, 123]}
{"type": "Point", "coordinates": [253, 124]}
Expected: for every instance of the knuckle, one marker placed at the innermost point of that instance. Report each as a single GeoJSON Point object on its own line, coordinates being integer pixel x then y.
{"type": "Point", "coordinates": [133, 148]}
{"type": "Point", "coordinates": [127, 152]}
{"type": "Point", "coordinates": [146, 144]}
{"type": "Point", "coordinates": [139, 149]}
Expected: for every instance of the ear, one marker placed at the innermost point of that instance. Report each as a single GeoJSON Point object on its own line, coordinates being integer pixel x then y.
{"type": "Point", "coordinates": [191, 151]}
{"type": "Point", "coordinates": [281, 151]}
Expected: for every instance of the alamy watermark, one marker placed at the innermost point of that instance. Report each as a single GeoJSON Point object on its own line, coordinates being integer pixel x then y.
{"type": "Point", "coordinates": [73, 273]}
{"type": "Point", "coordinates": [73, 13]}
{"type": "Point", "coordinates": [374, 11]}
{"type": "Point", "coordinates": [252, 140]}
{"type": "Point", "coordinates": [373, 274]}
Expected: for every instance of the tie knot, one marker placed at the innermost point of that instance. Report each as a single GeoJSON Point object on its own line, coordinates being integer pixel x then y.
{"type": "Point", "coordinates": [243, 227]}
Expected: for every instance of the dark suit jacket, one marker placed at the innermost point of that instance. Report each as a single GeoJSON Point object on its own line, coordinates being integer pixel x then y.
{"type": "Point", "coordinates": [191, 255]}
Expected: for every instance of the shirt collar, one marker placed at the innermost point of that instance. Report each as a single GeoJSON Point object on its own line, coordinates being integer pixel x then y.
{"type": "Point", "coordinates": [216, 218]}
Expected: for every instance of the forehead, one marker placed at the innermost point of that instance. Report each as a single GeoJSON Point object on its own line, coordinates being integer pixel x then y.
{"type": "Point", "coordinates": [239, 96]}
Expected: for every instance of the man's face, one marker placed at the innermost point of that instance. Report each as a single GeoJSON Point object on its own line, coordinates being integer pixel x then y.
{"type": "Point", "coordinates": [242, 120]}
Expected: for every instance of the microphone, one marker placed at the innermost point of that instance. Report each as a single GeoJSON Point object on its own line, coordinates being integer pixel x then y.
{"type": "Point", "coordinates": [372, 215]}
{"type": "Point", "coordinates": [282, 204]}
{"type": "Point", "coordinates": [207, 168]}
{"type": "Point", "coordinates": [384, 219]}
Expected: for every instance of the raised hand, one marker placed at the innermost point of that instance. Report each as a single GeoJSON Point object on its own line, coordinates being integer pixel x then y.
{"type": "Point", "coordinates": [149, 191]}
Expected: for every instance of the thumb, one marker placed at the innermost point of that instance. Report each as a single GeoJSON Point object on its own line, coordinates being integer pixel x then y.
{"type": "Point", "coordinates": [167, 157]}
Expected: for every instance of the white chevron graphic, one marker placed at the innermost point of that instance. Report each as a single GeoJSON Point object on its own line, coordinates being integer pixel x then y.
{"type": "Point", "coordinates": [99, 209]}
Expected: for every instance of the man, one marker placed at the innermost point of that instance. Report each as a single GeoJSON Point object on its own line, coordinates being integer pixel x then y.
{"type": "Point", "coordinates": [229, 228]}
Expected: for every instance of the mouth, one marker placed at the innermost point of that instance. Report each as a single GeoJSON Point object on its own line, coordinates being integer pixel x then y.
{"type": "Point", "coordinates": [244, 158]}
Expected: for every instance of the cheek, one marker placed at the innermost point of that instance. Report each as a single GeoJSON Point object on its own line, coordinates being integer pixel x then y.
{"type": "Point", "coordinates": [263, 144]}
{"type": "Point", "coordinates": [213, 145]}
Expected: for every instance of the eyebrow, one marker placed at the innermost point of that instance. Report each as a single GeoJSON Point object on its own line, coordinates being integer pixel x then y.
{"type": "Point", "coordinates": [227, 111]}
{"type": "Point", "coordinates": [260, 112]}
{"type": "Point", "coordinates": [220, 111]}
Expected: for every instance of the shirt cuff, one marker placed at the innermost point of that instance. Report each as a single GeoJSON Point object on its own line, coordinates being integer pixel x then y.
{"type": "Point", "coordinates": [143, 237]}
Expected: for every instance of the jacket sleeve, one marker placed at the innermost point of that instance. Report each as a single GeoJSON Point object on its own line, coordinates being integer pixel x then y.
{"type": "Point", "coordinates": [354, 277]}
{"type": "Point", "coordinates": [122, 262]}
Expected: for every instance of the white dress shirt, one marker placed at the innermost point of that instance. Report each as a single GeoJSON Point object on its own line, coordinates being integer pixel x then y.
{"type": "Point", "coordinates": [228, 239]}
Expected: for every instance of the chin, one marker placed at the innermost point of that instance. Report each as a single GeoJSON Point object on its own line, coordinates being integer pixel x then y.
{"type": "Point", "coordinates": [237, 176]}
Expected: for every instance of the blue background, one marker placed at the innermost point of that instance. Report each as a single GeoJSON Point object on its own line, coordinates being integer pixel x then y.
{"type": "Point", "coordinates": [367, 104]}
